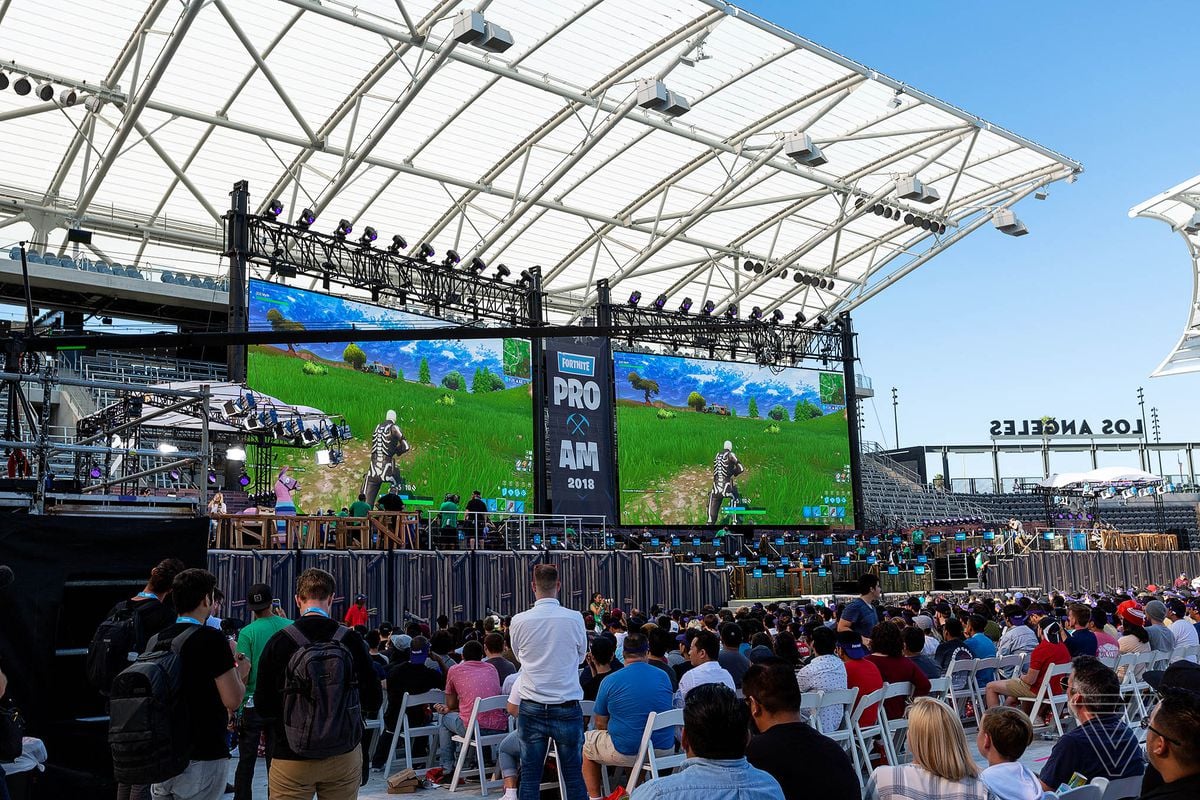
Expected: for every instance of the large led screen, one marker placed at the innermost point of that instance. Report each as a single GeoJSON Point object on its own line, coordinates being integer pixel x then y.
{"type": "Point", "coordinates": [703, 442]}
{"type": "Point", "coordinates": [463, 410]}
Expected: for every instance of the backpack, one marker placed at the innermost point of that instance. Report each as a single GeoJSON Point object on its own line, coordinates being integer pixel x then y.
{"type": "Point", "coordinates": [117, 642]}
{"type": "Point", "coordinates": [321, 713]}
{"type": "Point", "coordinates": [148, 727]}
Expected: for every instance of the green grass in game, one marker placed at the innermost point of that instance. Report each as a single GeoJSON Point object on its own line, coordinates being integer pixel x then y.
{"type": "Point", "coordinates": [666, 464]}
{"type": "Point", "coordinates": [472, 444]}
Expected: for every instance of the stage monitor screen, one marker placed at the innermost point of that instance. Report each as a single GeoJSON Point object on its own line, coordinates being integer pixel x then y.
{"type": "Point", "coordinates": [463, 408]}
{"type": "Point", "coordinates": [705, 442]}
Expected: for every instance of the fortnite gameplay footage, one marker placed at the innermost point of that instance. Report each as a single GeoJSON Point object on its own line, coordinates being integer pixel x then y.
{"type": "Point", "coordinates": [429, 418]}
{"type": "Point", "coordinates": [704, 442]}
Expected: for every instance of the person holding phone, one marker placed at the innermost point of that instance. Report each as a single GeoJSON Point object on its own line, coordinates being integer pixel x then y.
{"type": "Point", "coordinates": [268, 620]}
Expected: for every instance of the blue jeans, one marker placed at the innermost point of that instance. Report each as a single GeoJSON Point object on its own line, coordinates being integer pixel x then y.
{"type": "Point", "coordinates": [537, 724]}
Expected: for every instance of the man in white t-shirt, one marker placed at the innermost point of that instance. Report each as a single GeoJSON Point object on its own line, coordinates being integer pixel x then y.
{"type": "Point", "coordinates": [703, 654]}
{"type": "Point", "coordinates": [1182, 627]}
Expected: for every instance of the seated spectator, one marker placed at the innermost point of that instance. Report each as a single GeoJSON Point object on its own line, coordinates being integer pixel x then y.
{"type": "Point", "coordinates": [942, 767]}
{"type": "Point", "coordinates": [715, 733]}
{"type": "Point", "coordinates": [1050, 651]}
{"type": "Point", "coordinates": [1106, 644]}
{"type": "Point", "coordinates": [887, 654]}
{"type": "Point", "coordinates": [980, 645]}
{"type": "Point", "coordinates": [787, 648]}
{"type": "Point", "coordinates": [924, 623]}
{"type": "Point", "coordinates": [493, 650]}
{"type": "Point", "coordinates": [1017, 637]}
{"type": "Point", "coordinates": [1181, 626]}
{"type": "Point", "coordinates": [466, 682]}
{"type": "Point", "coordinates": [705, 649]}
{"type": "Point", "coordinates": [1161, 638]}
{"type": "Point", "coordinates": [914, 644]}
{"type": "Point", "coordinates": [805, 763]}
{"type": "Point", "coordinates": [1102, 746]}
{"type": "Point", "coordinates": [1004, 733]}
{"type": "Point", "coordinates": [623, 704]}
{"type": "Point", "coordinates": [861, 673]}
{"type": "Point", "coordinates": [661, 641]}
{"type": "Point", "coordinates": [405, 676]}
{"type": "Point", "coordinates": [825, 673]}
{"type": "Point", "coordinates": [1134, 638]}
{"type": "Point", "coordinates": [597, 665]}
{"type": "Point", "coordinates": [1173, 748]}
{"type": "Point", "coordinates": [730, 657]}
{"type": "Point", "coordinates": [1080, 641]}
{"type": "Point", "coordinates": [953, 648]}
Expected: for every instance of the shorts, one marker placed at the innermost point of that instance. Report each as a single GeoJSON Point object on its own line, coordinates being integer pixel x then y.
{"type": "Point", "coordinates": [1015, 687]}
{"type": "Point", "coordinates": [598, 747]}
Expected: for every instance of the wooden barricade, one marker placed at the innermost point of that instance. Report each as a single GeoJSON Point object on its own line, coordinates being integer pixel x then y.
{"type": "Point", "coordinates": [379, 530]}
{"type": "Point", "coordinates": [1119, 540]}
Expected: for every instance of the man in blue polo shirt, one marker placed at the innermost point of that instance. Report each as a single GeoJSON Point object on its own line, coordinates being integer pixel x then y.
{"type": "Point", "coordinates": [625, 700]}
{"type": "Point", "coordinates": [860, 615]}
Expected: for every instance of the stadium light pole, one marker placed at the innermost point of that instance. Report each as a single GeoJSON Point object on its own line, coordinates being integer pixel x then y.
{"type": "Point", "coordinates": [896, 417]}
{"type": "Point", "coordinates": [1145, 431]}
{"type": "Point", "coordinates": [1157, 438]}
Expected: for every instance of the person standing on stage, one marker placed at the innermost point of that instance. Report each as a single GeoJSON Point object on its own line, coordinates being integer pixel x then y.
{"type": "Point", "coordinates": [550, 643]}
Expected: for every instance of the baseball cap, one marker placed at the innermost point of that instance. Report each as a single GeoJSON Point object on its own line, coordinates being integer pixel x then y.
{"type": "Point", "coordinates": [1180, 675]}
{"type": "Point", "coordinates": [1156, 611]}
{"type": "Point", "coordinates": [259, 597]}
{"type": "Point", "coordinates": [420, 650]}
{"type": "Point", "coordinates": [924, 622]}
{"type": "Point", "coordinates": [851, 644]}
{"type": "Point", "coordinates": [401, 641]}
{"type": "Point", "coordinates": [358, 597]}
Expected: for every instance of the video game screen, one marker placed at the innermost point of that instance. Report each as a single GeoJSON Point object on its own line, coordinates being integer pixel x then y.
{"type": "Point", "coordinates": [705, 442]}
{"type": "Point", "coordinates": [431, 417]}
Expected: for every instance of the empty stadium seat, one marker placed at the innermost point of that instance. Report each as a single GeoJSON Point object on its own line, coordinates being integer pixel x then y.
{"type": "Point", "coordinates": [133, 272]}
{"type": "Point", "coordinates": [209, 283]}
{"type": "Point", "coordinates": [167, 277]}
{"type": "Point", "coordinates": [196, 282]}
{"type": "Point", "coordinates": [104, 269]}
{"type": "Point", "coordinates": [15, 254]}
{"type": "Point", "coordinates": [67, 262]}
{"type": "Point", "coordinates": [32, 256]}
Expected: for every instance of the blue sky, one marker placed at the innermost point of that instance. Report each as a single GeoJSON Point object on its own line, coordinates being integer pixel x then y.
{"type": "Point", "coordinates": [1071, 319]}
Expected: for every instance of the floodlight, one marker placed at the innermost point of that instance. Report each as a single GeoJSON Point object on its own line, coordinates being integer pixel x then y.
{"type": "Point", "coordinates": [758, 268]}
{"type": "Point", "coordinates": [660, 302]}
{"type": "Point", "coordinates": [1040, 194]}
{"type": "Point", "coordinates": [909, 219]}
{"type": "Point", "coordinates": [425, 251]}
{"type": "Point", "coordinates": [800, 319]}
{"type": "Point", "coordinates": [708, 308]}
{"type": "Point", "coordinates": [452, 258]}
{"type": "Point", "coordinates": [344, 229]}
{"type": "Point", "coordinates": [634, 298]}
{"type": "Point", "coordinates": [685, 306]}
{"type": "Point", "coordinates": [502, 272]}
{"type": "Point", "coordinates": [369, 235]}
{"type": "Point", "coordinates": [44, 91]}
{"type": "Point", "coordinates": [756, 314]}
{"type": "Point", "coordinates": [896, 102]}
{"type": "Point", "coordinates": [235, 454]}
{"type": "Point", "coordinates": [306, 218]}
{"type": "Point", "coordinates": [731, 311]}
{"type": "Point", "coordinates": [527, 279]}
{"type": "Point", "coordinates": [822, 320]}
{"type": "Point", "coordinates": [68, 97]}
{"type": "Point", "coordinates": [167, 449]}
{"type": "Point", "coordinates": [398, 243]}
{"type": "Point", "coordinates": [3, 80]}
{"type": "Point", "coordinates": [653, 94]}
{"type": "Point", "coordinates": [879, 210]}
{"type": "Point", "coordinates": [782, 274]}
{"type": "Point", "coordinates": [22, 86]}
{"type": "Point", "coordinates": [800, 148]}
{"type": "Point", "coordinates": [322, 458]}
{"type": "Point", "coordinates": [798, 277]}
{"type": "Point", "coordinates": [777, 316]}
{"type": "Point", "coordinates": [1006, 222]}
{"type": "Point", "coordinates": [748, 265]}
{"type": "Point", "coordinates": [1192, 225]}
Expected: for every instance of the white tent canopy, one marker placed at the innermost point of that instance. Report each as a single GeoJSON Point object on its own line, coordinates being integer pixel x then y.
{"type": "Point", "coordinates": [543, 154]}
{"type": "Point", "coordinates": [1103, 477]}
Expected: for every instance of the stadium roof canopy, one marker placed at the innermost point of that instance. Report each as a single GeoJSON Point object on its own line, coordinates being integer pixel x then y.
{"type": "Point", "coordinates": [542, 154]}
{"type": "Point", "coordinates": [1179, 207]}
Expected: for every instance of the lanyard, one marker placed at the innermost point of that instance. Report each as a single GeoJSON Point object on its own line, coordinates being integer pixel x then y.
{"type": "Point", "coordinates": [148, 595]}
{"type": "Point", "coordinates": [315, 610]}
{"type": "Point", "coordinates": [189, 620]}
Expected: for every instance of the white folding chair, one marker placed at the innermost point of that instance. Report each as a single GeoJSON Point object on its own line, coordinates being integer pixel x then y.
{"type": "Point", "coordinates": [587, 708]}
{"type": "Point", "coordinates": [809, 702]}
{"type": "Point", "coordinates": [477, 739]}
{"type": "Point", "coordinates": [1135, 684]}
{"type": "Point", "coordinates": [1009, 666]}
{"type": "Point", "coordinates": [864, 734]}
{"type": "Point", "coordinates": [938, 688]}
{"type": "Point", "coordinates": [646, 760]}
{"type": "Point", "coordinates": [978, 686]}
{"type": "Point", "coordinates": [960, 685]}
{"type": "Point", "coordinates": [1047, 695]}
{"type": "Point", "coordinates": [376, 724]}
{"type": "Point", "coordinates": [894, 729]}
{"type": "Point", "coordinates": [1089, 791]}
{"type": "Point", "coordinates": [1121, 788]}
{"type": "Point", "coordinates": [410, 733]}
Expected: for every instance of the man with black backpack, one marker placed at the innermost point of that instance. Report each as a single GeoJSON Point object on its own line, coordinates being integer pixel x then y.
{"type": "Point", "coordinates": [169, 710]}
{"type": "Point", "coordinates": [315, 685]}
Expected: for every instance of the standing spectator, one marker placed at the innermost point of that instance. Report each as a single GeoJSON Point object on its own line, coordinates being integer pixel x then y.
{"type": "Point", "coordinates": [1004, 733]}
{"type": "Point", "coordinates": [1080, 641]}
{"type": "Point", "coordinates": [1180, 626]}
{"type": "Point", "coordinates": [1172, 747]}
{"type": "Point", "coordinates": [477, 512]}
{"type": "Point", "coordinates": [805, 763]}
{"type": "Point", "coordinates": [1102, 745]}
{"type": "Point", "coordinates": [550, 643]}
{"type": "Point", "coordinates": [703, 655]}
{"type": "Point", "coordinates": [730, 657]}
{"type": "Point", "coordinates": [493, 649]}
{"type": "Point", "coordinates": [360, 507]}
{"type": "Point", "coordinates": [467, 682]}
{"type": "Point", "coordinates": [1161, 638]}
{"type": "Point", "coordinates": [251, 641]}
{"type": "Point", "coordinates": [859, 615]}
{"type": "Point", "coordinates": [448, 522]}
{"type": "Point", "coordinates": [293, 775]}
{"type": "Point", "coordinates": [1049, 652]}
{"type": "Point", "coordinates": [214, 618]}
{"type": "Point", "coordinates": [212, 686]}
{"type": "Point", "coordinates": [942, 767]}
{"type": "Point", "coordinates": [913, 644]}
{"type": "Point", "coordinates": [624, 703]}
{"type": "Point", "coordinates": [390, 501]}
{"type": "Point", "coordinates": [980, 645]}
{"type": "Point", "coordinates": [714, 736]}
{"type": "Point", "coordinates": [861, 673]}
{"type": "Point", "coordinates": [825, 673]}
{"type": "Point", "coordinates": [887, 648]}
{"type": "Point", "coordinates": [357, 614]}
{"type": "Point", "coordinates": [1106, 644]}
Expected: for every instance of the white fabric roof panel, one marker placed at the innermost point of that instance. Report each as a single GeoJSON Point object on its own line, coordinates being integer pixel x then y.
{"type": "Point", "coordinates": [535, 156]}
{"type": "Point", "coordinates": [1177, 207]}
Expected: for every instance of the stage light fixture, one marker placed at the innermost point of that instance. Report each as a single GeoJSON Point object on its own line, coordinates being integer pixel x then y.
{"type": "Point", "coordinates": [660, 302]}
{"type": "Point", "coordinates": [451, 260]}
{"type": "Point", "coordinates": [167, 449]}
{"type": "Point", "coordinates": [22, 86]}
{"type": "Point", "coordinates": [3, 80]}
{"type": "Point", "coordinates": [635, 297]}
{"type": "Point", "coordinates": [941, 227]}
{"type": "Point", "coordinates": [425, 251]}
{"type": "Point", "coordinates": [878, 210]}
{"type": "Point", "coordinates": [44, 91]}
{"type": "Point", "coordinates": [782, 274]}
{"type": "Point", "coordinates": [274, 209]}
{"type": "Point", "coordinates": [777, 316]}
{"type": "Point", "coordinates": [655, 96]}
{"type": "Point", "coordinates": [68, 97]}
{"type": "Point", "coordinates": [685, 306]}
{"type": "Point", "coordinates": [306, 218]}
{"type": "Point", "coordinates": [344, 229]}
{"type": "Point", "coordinates": [799, 147]}
{"type": "Point", "coordinates": [708, 308]}
{"type": "Point", "coordinates": [477, 266]}
{"type": "Point", "coordinates": [908, 219]}
{"type": "Point", "coordinates": [758, 268]}
{"type": "Point", "coordinates": [748, 265]}
{"type": "Point", "coordinates": [369, 235]}
{"type": "Point", "coordinates": [925, 224]}
{"type": "Point", "coordinates": [822, 320]}
{"type": "Point", "coordinates": [502, 272]}
{"type": "Point", "coordinates": [526, 279]}
{"type": "Point", "coordinates": [1006, 222]}
{"type": "Point", "coordinates": [94, 473]}
{"type": "Point", "coordinates": [731, 311]}
{"type": "Point", "coordinates": [243, 480]}
{"type": "Point", "coordinates": [798, 277]}
{"type": "Point", "coordinates": [756, 314]}
{"type": "Point", "coordinates": [174, 474]}
{"type": "Point", "coordinates": [799, 319]}
{"type": "Point", "coordinates": [398, 243]}
{"type": "Point", "coordinates": [235, 454]}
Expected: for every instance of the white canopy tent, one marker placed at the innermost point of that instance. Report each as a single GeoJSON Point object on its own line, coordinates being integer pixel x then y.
{"type": "Point", "coordinates": [770, 189]}
{"type": "Point", "coordinates": [1102, 478]}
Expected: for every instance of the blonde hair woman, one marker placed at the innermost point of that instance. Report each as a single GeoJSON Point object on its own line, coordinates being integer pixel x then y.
{"type": "Point", "coordinates": [942, 765]}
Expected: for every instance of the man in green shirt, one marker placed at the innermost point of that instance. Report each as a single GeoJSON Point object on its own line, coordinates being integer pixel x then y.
{"type": "Point", "coordinates": [448, 522]}
{"type": "Point", "coordinates": [360, 507]}
{"type": "Point", "coordinates": [268, 620]}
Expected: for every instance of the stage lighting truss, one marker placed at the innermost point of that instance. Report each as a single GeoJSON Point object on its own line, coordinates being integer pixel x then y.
{"type": "Point", "coordinates": [300, 250]}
